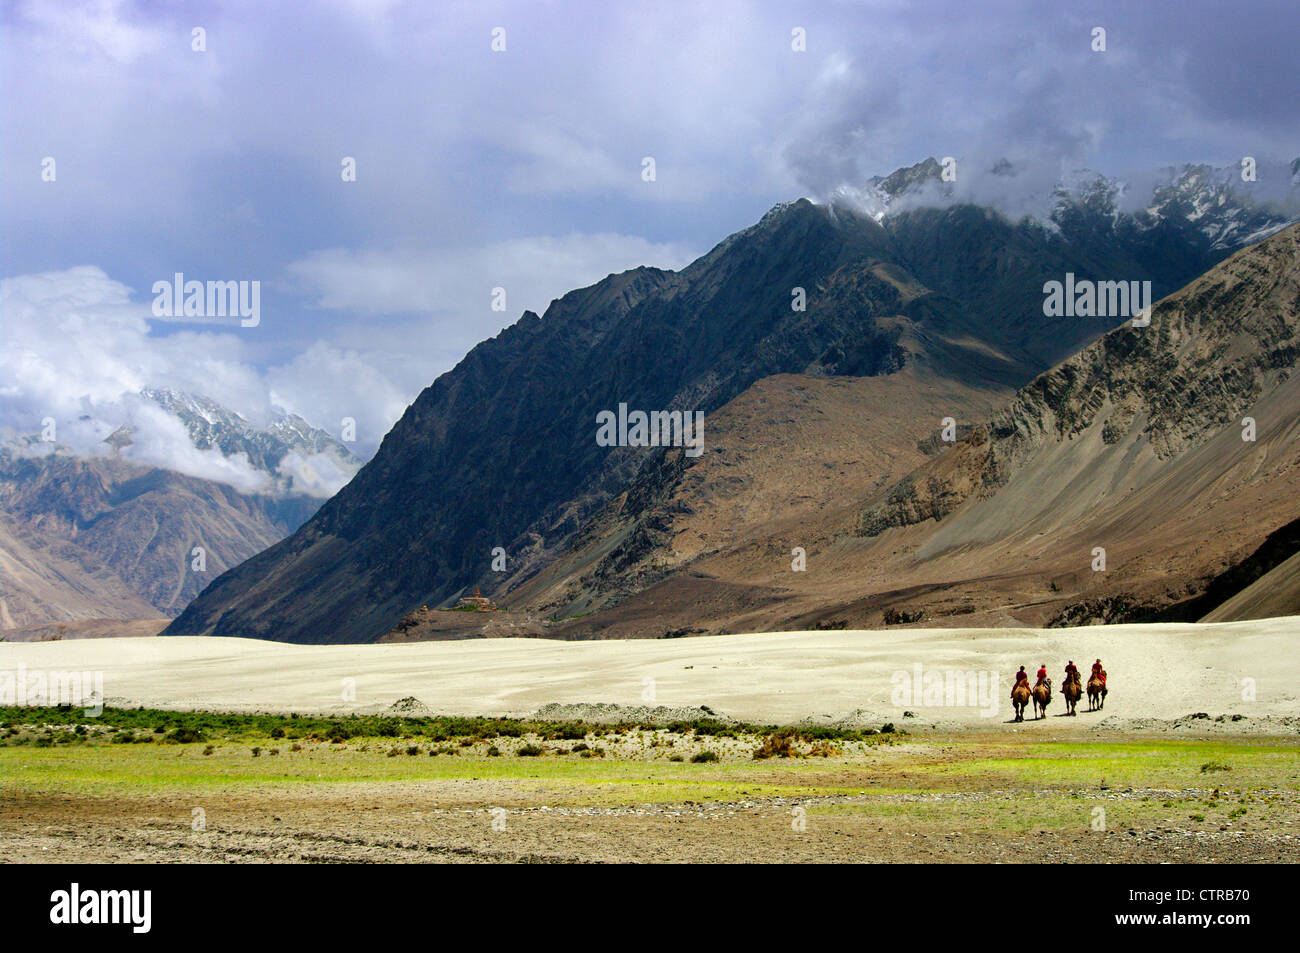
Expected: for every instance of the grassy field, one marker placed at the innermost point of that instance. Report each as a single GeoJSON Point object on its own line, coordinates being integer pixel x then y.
{"type": "Point", "coordinates": [419, 789]}
{"type": "Point", "coordinates": [53, 750]}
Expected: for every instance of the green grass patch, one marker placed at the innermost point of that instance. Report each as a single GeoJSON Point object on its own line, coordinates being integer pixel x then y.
{"type": "Point", "coordinates": [197, 725]}
{"type": "Point", "coordinates": [1160, 763]}
{"type": "Point", "coordinates": [154, 770]}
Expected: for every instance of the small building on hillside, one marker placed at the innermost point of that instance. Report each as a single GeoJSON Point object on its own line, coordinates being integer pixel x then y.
{"type": "Point", "coordinates": [477, 602]}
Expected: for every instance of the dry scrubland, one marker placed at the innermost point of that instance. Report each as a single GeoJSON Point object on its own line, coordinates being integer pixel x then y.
{"type": "Point", "coordinates": [848, 778]}
{"type": "Point", "coordinates": [648, 795]}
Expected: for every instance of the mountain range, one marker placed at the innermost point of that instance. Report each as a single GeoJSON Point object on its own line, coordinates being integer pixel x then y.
{"type": "Point", "coordinates": [289, 450]}
{"type": "Point", "coordinates": [883, 392]}
{"type": "Point", "coordinates": [105, 536]}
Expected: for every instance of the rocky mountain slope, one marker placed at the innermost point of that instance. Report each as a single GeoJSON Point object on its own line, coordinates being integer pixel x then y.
{"type": "Point", "coordinates": [107, 536]}
{"type": "Point", "coordinates": [943, 304]}
{"type": "Point", "coordinates": [1133, 447]}
{"type": "Point", "coordinates": [1275, 594]}
{"type": "Point", "coordinates": [1172, 447]}
{"type": "Point", "coordinates": [101, 537]}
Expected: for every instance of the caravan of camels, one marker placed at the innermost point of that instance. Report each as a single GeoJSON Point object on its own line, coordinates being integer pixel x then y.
{"type": "Point", "coordinates": [1041, 693]}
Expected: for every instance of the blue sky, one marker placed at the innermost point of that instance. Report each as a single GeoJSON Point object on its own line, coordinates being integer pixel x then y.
{"type": "Point", "coordinates": [518, 169]}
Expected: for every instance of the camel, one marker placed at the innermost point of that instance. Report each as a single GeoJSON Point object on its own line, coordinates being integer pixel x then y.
{"type": "Point", "coordinates": [1071, 691]}
{"type": "Point", "coordinates": [1042, 698]}
{"type": "Point", "coordinates": [1096, 693]}
{"type": "Point", "coordinates": [1020, 700]}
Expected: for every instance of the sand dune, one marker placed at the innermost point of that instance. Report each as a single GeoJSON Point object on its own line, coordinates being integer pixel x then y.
{"type": "Point", "coordinates": [1156, 671]}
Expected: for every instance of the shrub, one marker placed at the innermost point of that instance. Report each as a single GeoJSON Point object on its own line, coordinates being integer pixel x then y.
{"type": "Point", "coordinates": [337, 734]}
{"type": "Point", "coordinates": [567, 731]}
{"type": "Point", "coordinates": [704, 727]}
{"type": "Point", "coordinates": [529, 751]}
{"type": "Point", "coordinates": [704, 757]}
{"type": "Point", "coordinates": [775, 745]}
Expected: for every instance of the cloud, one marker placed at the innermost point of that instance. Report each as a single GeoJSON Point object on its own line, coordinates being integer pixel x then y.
{"type": "Point", "coordinates": [327, 384]}
{"type": "Point", "coordinates": [161, 440]}
{"type": "Point", "coordinates": [79, 346]}
{"type": "Point", "coordinates": [77, 349]}
{"type": "Point", "coordinates": [459, 283]}
{"type": "Point", "coordinates": [519, 169]}
{"type": "Point", "coordinates": [228, 160]}
{"type": "Point", "coordinates": [1020, 81]}
{"type": "Point", "coordinates": [316, 474]}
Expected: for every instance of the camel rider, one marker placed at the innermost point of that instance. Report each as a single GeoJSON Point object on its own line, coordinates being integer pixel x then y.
{"type": "Point", "coordinates": [1021, 676]}
{"type": "Point", "coordinates": [1099, 672]}
{"type": "Point", "coordinates": [1071, 671]}
{"type": "Point", "coordinates": [1042, 676]}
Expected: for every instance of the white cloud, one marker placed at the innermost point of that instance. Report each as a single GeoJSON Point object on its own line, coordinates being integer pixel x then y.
{"type": "Point", "coordinates": [326, 384]}
{"type": "Point", "coordinates": [79, 346]}
{"type": "Point", "coordinates": [161, 440]}
{"type": "Point", "coordinates": [99, 27]}
{"type": "Point", "coordinates": [78, 349]}
{"type": "Point", "coordinates": [459, 282]}
{"type": "Point", "coordinates": [315, 474]}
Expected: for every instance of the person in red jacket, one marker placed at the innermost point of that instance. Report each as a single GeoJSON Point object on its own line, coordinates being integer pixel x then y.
{"type": "Point", "coordinates": [1099, 672]}
{"type": "Point", "coordinates": [1021, 676]}
{"type": "Point", "coordinates": [1071, 671]}
{"type": "Point", "coordinates": [1042, 673]}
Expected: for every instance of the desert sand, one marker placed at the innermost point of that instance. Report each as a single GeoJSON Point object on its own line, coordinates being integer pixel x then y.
{"type": "Point", "coordinates": [1158, 672]}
